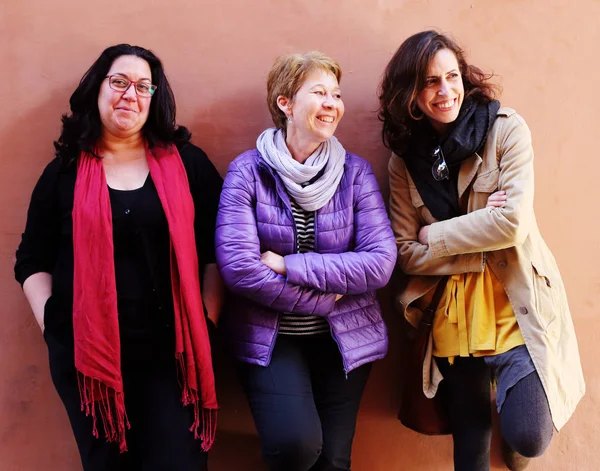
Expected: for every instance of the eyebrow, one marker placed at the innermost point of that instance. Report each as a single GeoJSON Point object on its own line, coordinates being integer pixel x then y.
{"type": "Point", "coordinates": [321, 85]}
{"type": "Point", "coordinates": [127, 77]}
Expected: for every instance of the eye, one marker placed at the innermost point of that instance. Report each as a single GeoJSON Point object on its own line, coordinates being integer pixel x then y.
{"type": "Point", "coordinates": [454, 75]}
{"type": "Point", "coordinates": [337, 96]}
{"type": "Point", "coordinates": [143, 87]}
{"type": "Point", "coordinates": [319, 92]}
{"type": "Point", "coordinates": [119, 82]}
{"type": "Point", "coordinates": [430, 81]}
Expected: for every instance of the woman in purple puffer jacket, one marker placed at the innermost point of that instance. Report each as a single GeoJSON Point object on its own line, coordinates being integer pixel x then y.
{"type": "Point", "coordinates": [303, 241]}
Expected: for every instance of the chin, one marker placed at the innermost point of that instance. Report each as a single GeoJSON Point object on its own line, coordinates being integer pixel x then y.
{"type": "Point", "coordinates": [447, 119]}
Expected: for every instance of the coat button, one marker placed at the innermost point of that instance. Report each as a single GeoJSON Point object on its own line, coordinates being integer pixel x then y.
{"type": "Point", "coordinates": [523, 310]}
{"type": "Point", "coordinates": [127, 211]}
{"type": "Point", "coordinates": [502, 264]}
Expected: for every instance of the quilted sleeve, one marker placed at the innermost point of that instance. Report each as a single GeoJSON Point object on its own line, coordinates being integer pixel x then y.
{"type": "Point", "coordinates": [238, 254]}
{"type": "Point", "coordinates": [370, 265]}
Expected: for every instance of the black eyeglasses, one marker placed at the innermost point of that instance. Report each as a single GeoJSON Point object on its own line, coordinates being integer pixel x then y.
{"type": "Point", "coordinates": [440, 169]}
{"type": "Point", "coordinates": [122, 84]}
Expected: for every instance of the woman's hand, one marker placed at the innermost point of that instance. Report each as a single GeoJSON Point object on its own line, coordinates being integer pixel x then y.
{"type": "Point", "coordinates": [496, 200]}
{"type": "Point", "coordinates": [423, 236]}
{"type": "Point", "coordinates": [274, 261]}
{"type": "Point", "coordinates": [38, 289]}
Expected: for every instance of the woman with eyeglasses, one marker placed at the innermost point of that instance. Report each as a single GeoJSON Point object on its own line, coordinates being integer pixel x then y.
{"type": "Point", "coordinates": [303, 241]}
{"type": "Point", "coordinates": [461, 183]}
{"type": "Point", "coordinates": [117, 262]}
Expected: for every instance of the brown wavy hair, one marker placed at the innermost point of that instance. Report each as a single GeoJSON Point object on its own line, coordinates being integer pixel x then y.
{"type": "Point", "coordinates": [404, 79]}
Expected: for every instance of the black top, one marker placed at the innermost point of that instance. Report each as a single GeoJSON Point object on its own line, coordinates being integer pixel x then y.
{"type": "Point", "coordinates": [137, 212]}
{"type": "Point", "coordinates": [141, 244]}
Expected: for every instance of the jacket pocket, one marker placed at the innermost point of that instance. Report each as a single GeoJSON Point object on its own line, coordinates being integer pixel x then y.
{"type": "Point", "coordinates": [487, 182]}
{"type": "Point", "coordinates": [546, 298]}
{"type": "Point", "coordinates": [415, 197]}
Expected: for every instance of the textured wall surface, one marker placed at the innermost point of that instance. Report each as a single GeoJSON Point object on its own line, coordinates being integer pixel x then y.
{"type": "Point", "coordinates": [217, 55]}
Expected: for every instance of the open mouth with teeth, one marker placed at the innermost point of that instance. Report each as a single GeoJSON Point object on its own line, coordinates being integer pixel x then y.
{"type": "Point", "coordinates": [326, 119]}
{"type": "Point", "coordinates": [446, 105]}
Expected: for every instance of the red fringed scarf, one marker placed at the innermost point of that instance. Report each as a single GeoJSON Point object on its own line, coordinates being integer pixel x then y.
{"type": "Point", "coordinates": [95, 316]}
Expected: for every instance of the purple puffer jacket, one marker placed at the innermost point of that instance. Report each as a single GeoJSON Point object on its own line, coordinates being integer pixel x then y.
{"type": "Point", "coordinates": [355, 253]}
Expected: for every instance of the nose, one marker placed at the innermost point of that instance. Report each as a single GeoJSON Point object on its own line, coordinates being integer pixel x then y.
{"type": "Point", "coordinates": [444, 88]}
{"type": "Point", "coordinates": [130, 94]}
{"type": "Point", "coordinates": [328, 101]}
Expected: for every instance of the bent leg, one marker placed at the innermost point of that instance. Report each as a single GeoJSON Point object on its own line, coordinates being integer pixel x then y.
{"type": "Point", "coordinates": [525, 417]}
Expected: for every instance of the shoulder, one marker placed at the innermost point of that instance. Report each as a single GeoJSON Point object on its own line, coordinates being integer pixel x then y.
{"type": "Point", "coordinates": [246, 160]}
{"type": "Point", "coordinates": [193, 157]}
{"type": "Point", "coordinates": [508, 121]}
{"type": "Point", "coordinates": [202, 175]}
{"type": "Point", "coordinates": [246, 165]}
{"type": "Point", "coordinates": [356, 165]}
{"type": "Point", "coordinates": [53, 173]}
{"type": "Point", "coordinates": [396, 163]}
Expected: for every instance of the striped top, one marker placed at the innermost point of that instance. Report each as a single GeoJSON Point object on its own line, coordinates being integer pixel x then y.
{"type": "Point", "coordinates": [294, 324]}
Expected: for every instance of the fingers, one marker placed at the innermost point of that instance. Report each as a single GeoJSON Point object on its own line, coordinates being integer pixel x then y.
{"type": "Point", "coordinates": [265, 256]}
{"type": "Point", "coordinates": [497, 199]}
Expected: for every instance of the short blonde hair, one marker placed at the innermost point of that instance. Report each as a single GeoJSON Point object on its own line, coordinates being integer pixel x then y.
{"type": "Point", "coordinates": [288, 73]}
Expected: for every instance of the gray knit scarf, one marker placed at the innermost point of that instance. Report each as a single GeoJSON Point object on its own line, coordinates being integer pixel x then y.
{"type": "Point", "coordinates": [329, 157]}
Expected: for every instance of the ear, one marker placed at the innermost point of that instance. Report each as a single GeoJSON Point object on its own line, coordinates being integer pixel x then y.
{"type": "Point", "coordinates": [284, 104]}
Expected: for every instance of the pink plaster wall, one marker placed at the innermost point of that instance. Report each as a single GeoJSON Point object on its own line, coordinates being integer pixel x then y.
{"type": "Point", "coordinates": [217, 55]}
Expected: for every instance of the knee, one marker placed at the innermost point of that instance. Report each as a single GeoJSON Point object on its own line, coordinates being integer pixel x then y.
{"type": "Point", "coordinates": [298, 453]}
{"type": "Point", "coordinates": [529, 444]}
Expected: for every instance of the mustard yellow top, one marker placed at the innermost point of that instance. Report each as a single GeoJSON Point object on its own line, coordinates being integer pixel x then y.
{"type": "Point", "coordinates": [475, 318]}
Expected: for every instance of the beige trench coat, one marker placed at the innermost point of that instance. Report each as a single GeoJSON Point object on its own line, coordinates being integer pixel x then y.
{"type": "Point", "coordinates": [508, 240]}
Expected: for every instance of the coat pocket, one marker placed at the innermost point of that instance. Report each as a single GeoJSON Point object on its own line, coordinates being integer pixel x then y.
{"type": "Point", "coordinates": [415, 197]}
{"type": "Point", "coordinates": [546, 296]}
{"type": "Point", "coordinates": [487, 182]}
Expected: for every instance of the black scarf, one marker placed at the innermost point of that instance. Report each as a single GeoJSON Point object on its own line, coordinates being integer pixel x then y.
{"type": "Point", "coordinates": [467, 137]}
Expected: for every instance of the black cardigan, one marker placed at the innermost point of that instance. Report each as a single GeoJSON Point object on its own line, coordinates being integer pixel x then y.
{"type": "Point", "coordinates": [47, 243]}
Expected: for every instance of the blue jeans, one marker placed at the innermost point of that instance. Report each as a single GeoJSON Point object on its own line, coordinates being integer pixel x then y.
{"type": "Point", "coordinates": [303, 404]}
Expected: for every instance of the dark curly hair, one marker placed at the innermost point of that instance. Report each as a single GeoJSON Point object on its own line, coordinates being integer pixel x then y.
{"type": "Point", "coordinates": [404, 79]}
{"type": "Point", "coordinates": [82, 128]}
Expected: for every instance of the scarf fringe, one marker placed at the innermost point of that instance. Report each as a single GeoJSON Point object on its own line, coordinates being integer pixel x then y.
{"type": "Point", "coordinates": [110, 405]}
{"type": "Point", "coordinates": [189, 396]}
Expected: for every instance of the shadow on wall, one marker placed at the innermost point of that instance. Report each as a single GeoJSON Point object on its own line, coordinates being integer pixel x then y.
{"type": "Point", "coordinates": [31, 410]}
{"type": "Point", "coordinates": [226, 128]}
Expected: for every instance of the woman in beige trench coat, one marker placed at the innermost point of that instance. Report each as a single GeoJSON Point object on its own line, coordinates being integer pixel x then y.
{"type": "Point", "coordinates": [461, 183]}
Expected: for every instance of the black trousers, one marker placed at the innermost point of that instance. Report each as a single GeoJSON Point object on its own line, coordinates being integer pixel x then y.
{"type": "Point", "coordinates": [159, 439]}
{"type": "Point", "coordinates": [304, 405]}
{"type": "Point", "coordinates": [525, 419]}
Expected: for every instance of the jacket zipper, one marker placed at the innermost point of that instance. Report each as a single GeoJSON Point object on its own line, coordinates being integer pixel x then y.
{"type": "Point", "coordinates": [286, 201]}
{"type": "Point", "coordinates": [330, 326]}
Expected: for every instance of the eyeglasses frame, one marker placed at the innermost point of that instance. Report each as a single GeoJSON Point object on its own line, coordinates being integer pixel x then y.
{"type": "Point", "coordinates": [131, 82]}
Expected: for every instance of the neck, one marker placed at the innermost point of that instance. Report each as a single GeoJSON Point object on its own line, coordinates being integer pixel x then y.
{"type": "Point", "coordinates": [111, 146]}
{"type": "Point", "coordinates": [301, 149]}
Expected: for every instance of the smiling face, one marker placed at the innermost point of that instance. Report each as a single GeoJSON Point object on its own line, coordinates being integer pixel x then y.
{"type": "Point", "coordinates": [123, 114]}
{"type": "Point", "coordinates": [443, 94]}
{"type": "Point", "coordinates": [315, 110]}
